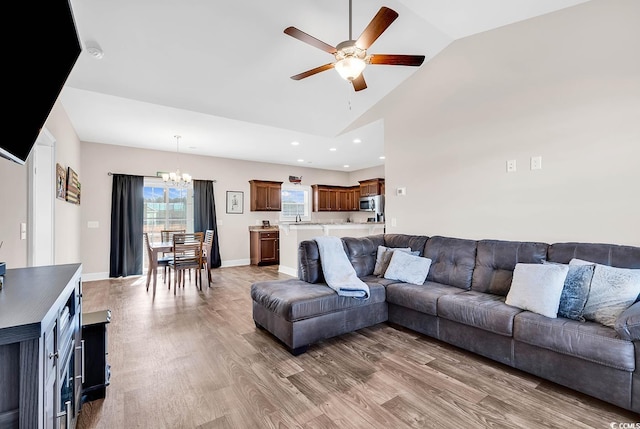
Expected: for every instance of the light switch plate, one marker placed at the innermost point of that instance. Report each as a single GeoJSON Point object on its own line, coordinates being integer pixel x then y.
{"type": "Point", "coordinates": [401, 192]}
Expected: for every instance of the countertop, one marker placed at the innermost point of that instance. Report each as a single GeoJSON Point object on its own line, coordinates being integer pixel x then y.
{"type": "Point", "coordinates": [276, 227]}
{"type": "Point", "coordinates": [31, 297]}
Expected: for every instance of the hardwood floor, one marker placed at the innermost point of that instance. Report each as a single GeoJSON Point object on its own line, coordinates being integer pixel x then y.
{"type": "Point", "coordinates": [196, 360]}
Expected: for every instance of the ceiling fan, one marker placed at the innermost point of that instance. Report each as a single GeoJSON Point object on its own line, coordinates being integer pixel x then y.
{"type": "Point", "coordinates": [351, 55]}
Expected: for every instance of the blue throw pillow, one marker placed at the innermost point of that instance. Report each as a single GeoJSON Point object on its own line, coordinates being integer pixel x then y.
{"type": "Point", "coordinates": [575, 292]}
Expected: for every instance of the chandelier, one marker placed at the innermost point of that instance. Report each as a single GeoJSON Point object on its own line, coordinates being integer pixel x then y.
{"type": "Point", "coordinates": [177, 179]}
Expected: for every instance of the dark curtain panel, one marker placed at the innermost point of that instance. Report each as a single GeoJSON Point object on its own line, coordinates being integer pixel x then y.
{"type": "Point", "coordinates": [204, 217]}
{"type": "Point", "coordinates": [127, 204]}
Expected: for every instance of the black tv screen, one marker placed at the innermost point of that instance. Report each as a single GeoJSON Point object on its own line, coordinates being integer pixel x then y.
{"type": "Point", "coordinates": [38, 58]}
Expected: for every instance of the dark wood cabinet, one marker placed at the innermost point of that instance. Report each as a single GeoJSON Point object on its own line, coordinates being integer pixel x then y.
{"type": "Point", "coordinates": [265, 195]}
{"type": "Point", "coordinates": [328, 198]}
{"type": "Point", "coordinates": [371, 187]}
{"type": "Point", "coordinates": [264, 247]}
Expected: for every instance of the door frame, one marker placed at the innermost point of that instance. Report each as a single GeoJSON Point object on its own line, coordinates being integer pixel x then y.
{"type": "Point", "coordinates": [41, 213]}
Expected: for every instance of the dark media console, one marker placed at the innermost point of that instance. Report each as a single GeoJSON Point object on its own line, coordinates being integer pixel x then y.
{"type": "Point", "coordinates": [97, 371]}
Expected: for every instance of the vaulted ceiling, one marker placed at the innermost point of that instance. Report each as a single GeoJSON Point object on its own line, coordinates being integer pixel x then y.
{"type": "Point", "coordinates": [218, 73]}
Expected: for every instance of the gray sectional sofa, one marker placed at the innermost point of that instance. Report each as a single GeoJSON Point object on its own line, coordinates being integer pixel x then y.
{"type": "Point", "coordinates": [462, 302]}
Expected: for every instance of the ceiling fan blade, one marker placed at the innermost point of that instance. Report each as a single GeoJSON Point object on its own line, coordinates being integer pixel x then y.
{"type": "Point", "coordinates": [397, 60]}
{"type": "Point", "coordinates": [312, 71]}
{"type": "Point", "coordinates": [358, 83]}
{"type": "Point", "coordinates": [376, 27]}
{"type": "Point", "coordinates": [304, 37]}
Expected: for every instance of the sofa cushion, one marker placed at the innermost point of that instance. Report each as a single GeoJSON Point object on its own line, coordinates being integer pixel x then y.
{"type": "Point", "coordinates": [408, 268]}
{"type": "Point", "coordinates": [416, 242]}
{"type": "Point", "coordinates": [496, 260]}
{"type": "Point", "coordinates": [452, 259]}
{"type": "Point", "coordinates": [575, 292]}
{"type": "Point", "coordinates": [422, 298]}
{"type": "Point", "coordinates": [383, 257]}
{"type": "Point", "coordinates": [590, 341]}
{"type": "Point", "coordinates": [362, 252]}
{"type": "Point", "coordinates": [613, 290]}
{"type": "Point", "coordinates": [294, 299]}
{"type": "Point", "coordinates": [628, 323]}
{"type": "Point", "coordinates": [537, 288]}
{"type": "Point", "coordinates": [605, 254]}
{"type": "Point", "coordinates": [309, 267]}
{"type": "Point", "coordinates": [481, 310]}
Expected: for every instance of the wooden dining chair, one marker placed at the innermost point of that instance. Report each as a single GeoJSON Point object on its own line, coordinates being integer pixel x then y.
{"type": "Point", "coordinates": [166, 235]}
{"type": "Point", "coordinates": [187, 255]}
{"type": "Point", "coordinates": [160, 262]}
{"type": "Point", "coordinates": [206, 253]}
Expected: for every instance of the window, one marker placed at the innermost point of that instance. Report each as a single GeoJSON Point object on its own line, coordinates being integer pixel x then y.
{"type": "Point", "coordinates": [296, 200]}
{"type": "Point", "coordinates": [166, 208]}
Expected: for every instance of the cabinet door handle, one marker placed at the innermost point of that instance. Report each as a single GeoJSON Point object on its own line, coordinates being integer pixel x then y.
{"type": "Point", "coordinates": [53, 355]}
{"type": "Point", "coordinates": [81, 376]}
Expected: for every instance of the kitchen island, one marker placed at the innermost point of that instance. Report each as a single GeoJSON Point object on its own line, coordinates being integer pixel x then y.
{"type": "Point", "coordinates": [291, 234]}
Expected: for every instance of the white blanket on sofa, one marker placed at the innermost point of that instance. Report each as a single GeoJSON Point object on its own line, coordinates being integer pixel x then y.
{"type": "Point", "coordinates": [337, 269]}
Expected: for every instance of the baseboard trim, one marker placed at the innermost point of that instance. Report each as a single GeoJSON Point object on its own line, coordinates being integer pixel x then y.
{"type": "Point", "coordinates": [288, 270]}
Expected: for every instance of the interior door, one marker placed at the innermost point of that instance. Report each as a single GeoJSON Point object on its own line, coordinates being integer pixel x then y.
{"type": "Point", "coordinates": [40, 233]}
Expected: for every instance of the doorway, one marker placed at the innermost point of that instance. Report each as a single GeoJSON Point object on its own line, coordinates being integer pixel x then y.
{"type": "Point", "coordinates": [41, 182]}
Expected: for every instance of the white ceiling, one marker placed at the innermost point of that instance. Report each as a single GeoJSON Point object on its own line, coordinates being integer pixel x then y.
{"type": "Point", "coordinates": [217, 73]}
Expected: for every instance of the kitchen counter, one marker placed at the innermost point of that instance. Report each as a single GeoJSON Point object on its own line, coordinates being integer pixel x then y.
{"type": "Point", "coordinates": [272, 228]}
{"type": "Point", "coordinates": [292, 233]}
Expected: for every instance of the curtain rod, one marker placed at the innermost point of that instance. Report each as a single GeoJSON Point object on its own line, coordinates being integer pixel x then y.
{"type": "Point", "coordinates": [151, 177]}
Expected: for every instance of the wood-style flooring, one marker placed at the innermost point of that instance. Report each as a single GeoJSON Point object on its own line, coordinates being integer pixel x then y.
{"type": "Point", "coordinates": [196, 360]}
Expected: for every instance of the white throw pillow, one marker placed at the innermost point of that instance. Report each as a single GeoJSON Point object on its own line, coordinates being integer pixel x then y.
{"type": "Point", "coordinates": [384, 256]}
{"type": "Point", "coordinates": [613, 290]}
{"type": "Point", "coordinates": [537, 288]}
{"type": "Point", "coordinates": [408, 268]}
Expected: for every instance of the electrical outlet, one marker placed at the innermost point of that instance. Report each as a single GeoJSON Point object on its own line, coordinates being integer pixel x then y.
{"type": "Point", "coordinates": [511, 166]}
{"type": "Point", "coordinates": [393, 221]}
{"type": "Point", "coordinates": [401, 192]}
{"type": "Point", "coordinates": [536, 163]}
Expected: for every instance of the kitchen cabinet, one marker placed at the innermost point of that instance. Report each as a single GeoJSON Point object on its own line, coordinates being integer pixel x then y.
{"type": "Point", "coordinates": [264, 247]}
{"type": "Point", "coordinates": [371, 187]}
{"type": "Point", "coordinates": [265, 195]}
{"type": "Point", "coordinates": [328, 198]}
{"type": "Point", "coordinates": [41, 347]}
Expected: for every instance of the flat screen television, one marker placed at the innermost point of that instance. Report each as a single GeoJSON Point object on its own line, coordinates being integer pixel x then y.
{"type": "Point", "coordinates": [38, 56]}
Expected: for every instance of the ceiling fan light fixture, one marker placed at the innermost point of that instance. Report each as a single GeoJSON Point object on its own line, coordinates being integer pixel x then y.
{"type": "Point", "coordinates": [350, 60]}
{"type": "Point", "coordinates": [350, 68]}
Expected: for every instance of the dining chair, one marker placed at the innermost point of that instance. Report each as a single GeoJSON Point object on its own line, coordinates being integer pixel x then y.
{"type": "Point", "coordinates": [160, 262]}
{"type": "Point", "coordinates": [206, 253]}
{"type": "Point", "coordinates": [166, 235]}
{"type": "Point", "coordinates": [187, 255]}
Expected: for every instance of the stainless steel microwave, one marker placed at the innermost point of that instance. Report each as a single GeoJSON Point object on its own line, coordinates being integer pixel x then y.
{"type": "Point", "coordinates": [372, 204]}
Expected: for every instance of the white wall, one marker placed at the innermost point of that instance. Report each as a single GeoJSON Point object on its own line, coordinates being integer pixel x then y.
{"type": "Point", "coordinates": [231, 175]}
{"type": "Point", "coordinates": [565, 86]}
{"type": "Point", "coordinates": [13, 211]}
{"type": "Point", "coordinates": [14, 204]}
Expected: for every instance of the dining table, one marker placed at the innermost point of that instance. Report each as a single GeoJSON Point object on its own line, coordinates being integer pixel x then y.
{"type": "Point", "coordinates": [156, 247]}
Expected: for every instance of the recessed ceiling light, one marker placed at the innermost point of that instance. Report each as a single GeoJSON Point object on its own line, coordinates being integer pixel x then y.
{"type": "Point", "coordinates": [333, 149]}
{"type": "Point", "coordinates": [357, 141]}
{"type": "Point", "coordinates": [301, 160]}
{"type": "Point", "coordinates": [382, 157]}
{"type": "Point", "coordinates": [346, 166]}
{"type": "Point", "coordinates": [295, 143]}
